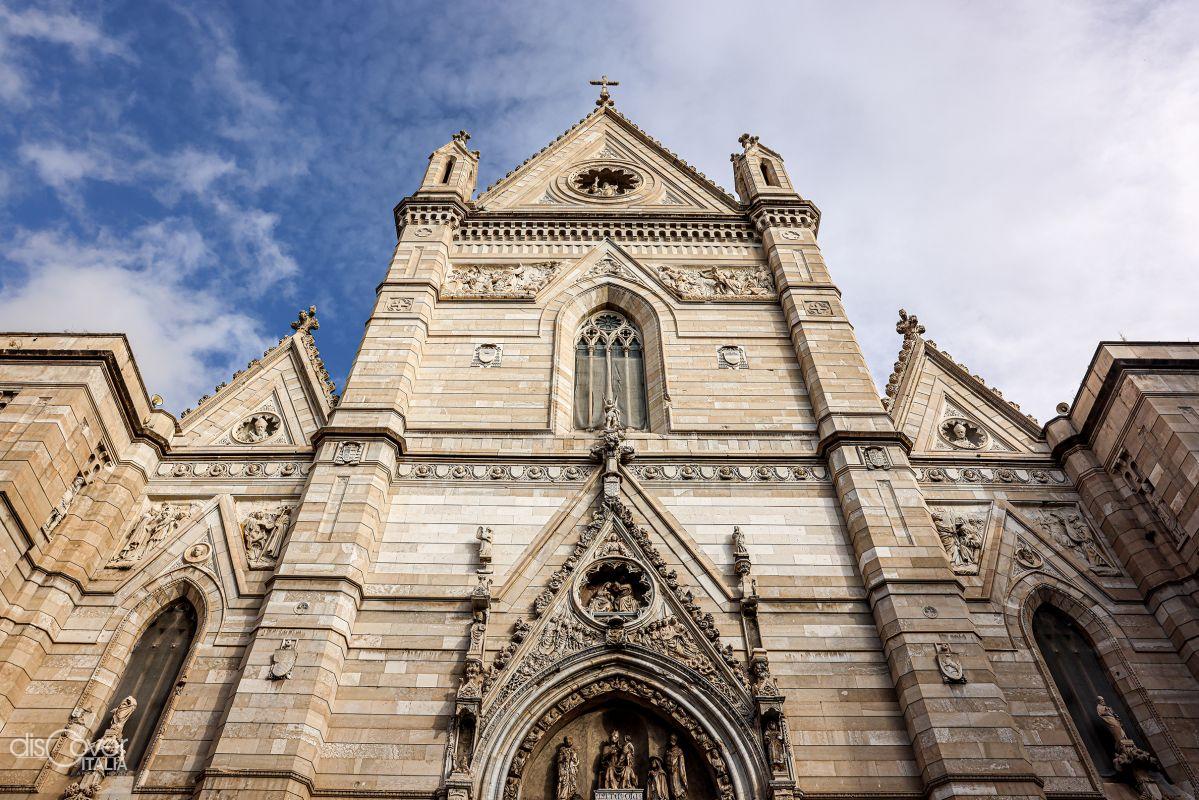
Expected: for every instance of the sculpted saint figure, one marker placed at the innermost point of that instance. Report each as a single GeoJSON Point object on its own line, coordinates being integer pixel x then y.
{"type": "Point", "coordinates": [107, 754]}
{"type": "Point", "coordinates": [611, 754]}
{"type": "Point", "coordinates": [484, 536]}
{"type": "Point", "coordinates": [601, 601]}
{"type": "Point", "coordinates": [611, 415]}
{"type": "Point", "coordinates": [776, 750]}
{"type": "Point", "coordinates": [568, 770]}
{"type": "Point", "coordinates": [623, 599]}
{"type": "Point", "coordinates": [1108, 715]}
{"type": "Point", "coordinates": [656, 787]}
{"type": "Point", "coordinates": [628, 775]}
{"type": "Point", "coordinates": [676, 769]}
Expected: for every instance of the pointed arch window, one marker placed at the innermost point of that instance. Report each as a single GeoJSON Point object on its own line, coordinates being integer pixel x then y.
{"type": "Point", "coordinates": [152, 675]}
{"type": "Point", "coordinates": [609, 362]}
{"type": "Point", "coordinates": [1081, 679]}
{"type": "Point", "coordinates": [449, 169]}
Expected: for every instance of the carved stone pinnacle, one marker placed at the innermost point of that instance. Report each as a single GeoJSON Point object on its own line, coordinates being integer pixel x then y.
{"type": "Point", "coordinates": [307, 321]}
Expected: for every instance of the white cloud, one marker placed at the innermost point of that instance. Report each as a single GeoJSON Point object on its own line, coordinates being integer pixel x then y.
{"type": "Point", "coordinates": [62, 167]}
{"type": "Point", "coordinates": [81, 36]}
{"type": "Point", "coordinates": [185, 337]}
{"type": "Point", "coordinates": [1021, 175]}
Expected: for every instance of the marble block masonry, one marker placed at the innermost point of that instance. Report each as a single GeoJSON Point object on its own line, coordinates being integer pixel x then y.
{"type": "Point", "coordinates": [608, 507]}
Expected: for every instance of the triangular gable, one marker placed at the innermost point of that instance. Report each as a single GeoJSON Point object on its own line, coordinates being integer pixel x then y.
{"type": "Point", "coordinates": [641, 173]}
{"type": "Point", "coordinates": [616, 589]}
{"type": "Point", "coordinates": [284, 389]}
{"type": "Point", "coordinates": [947, 410]}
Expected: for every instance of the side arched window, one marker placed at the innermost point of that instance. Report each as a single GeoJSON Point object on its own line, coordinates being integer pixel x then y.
{"type": "Point", "coordinates": [1081, 680]}
{"type": "Point", "coordinates": [768, 174]}
{"type": "Point", "coordinates": [152, 675]}
{"type": "Point", "coordinates": [609, 363]}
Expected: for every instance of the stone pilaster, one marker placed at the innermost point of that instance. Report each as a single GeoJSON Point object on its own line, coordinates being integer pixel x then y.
{"type": "Point", "coordinates": [276, 726]}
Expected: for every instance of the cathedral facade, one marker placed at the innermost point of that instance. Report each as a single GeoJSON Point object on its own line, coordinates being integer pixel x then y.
{"type": "Point", "coordinates": [608, 508]}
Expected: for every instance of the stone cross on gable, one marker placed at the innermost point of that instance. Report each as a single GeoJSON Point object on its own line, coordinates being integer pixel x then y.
{"type": "Point", "coordinates": [307, 321]}
{"type": "Point", "coordinates": [605, 99]}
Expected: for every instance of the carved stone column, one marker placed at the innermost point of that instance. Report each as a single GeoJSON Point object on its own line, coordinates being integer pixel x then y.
{"type": "Point", "coordinates": [964, 738]}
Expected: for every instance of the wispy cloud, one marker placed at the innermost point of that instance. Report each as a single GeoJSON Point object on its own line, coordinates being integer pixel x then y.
{"type": "Point", "coordinates": [140, 285]}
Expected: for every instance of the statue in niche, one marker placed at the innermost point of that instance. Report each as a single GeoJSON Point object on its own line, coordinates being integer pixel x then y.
{"type": "Point", "coordinates": [776, 748]}
{"type": "Point", "coordinates": [472, 680]}
{"type": "Point", "coordinates": [151, 530]}
{"type": "Point", "coordinates": [961, 536]}
{"type": "Point", "coordinates": [59, 512]}
{"type": "Point", "coordinates": [628, 756]}
{"type": "Point", "coordinates": [614, 587]}
{"type": "Point", "coordinates": [656, 787]}
{"type": "Point", "coordinates": [568, 770]}
{"type": "Point", "coordinates": [611, 754]}
{"type": "Point", "coordinates": [676, 769]}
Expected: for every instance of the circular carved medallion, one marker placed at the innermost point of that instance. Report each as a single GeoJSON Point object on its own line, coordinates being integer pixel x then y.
{"type": "Point", "coordinates": [605, 182]}
{"type": "Point", "coordinates": [197, 553]}
{"type": "Point", "coordinates": [963, 434]}
{"type": "Point", "coordinates": [614, 588]}
{"type": "Point", "coordinates": [257, 428]}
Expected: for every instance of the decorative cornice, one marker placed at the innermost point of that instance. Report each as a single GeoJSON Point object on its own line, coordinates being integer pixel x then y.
{"type": "Point", "coordinates": [992, 475]}
{"type": "Point", "coordinates": [620, 226]}
{"type": "Point", "coordinates": [732, 473]}
{"type": "Point", "coordinates": [432, 471]}
{"type": "Point", "coordinates": [429, 209]}
{"type": "Point", "coordinates": [233, 469]}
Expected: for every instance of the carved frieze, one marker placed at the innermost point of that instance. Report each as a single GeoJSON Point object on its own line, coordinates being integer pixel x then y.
{"type": "Point", "coordinates": [740, 473]}
{"type": "Point", "coordinates": [751, 282]}
{"type": "Point", "coordinates": [520, 281]}
{"type": "Point", "coordinates": [232, 469]}
{"type": "Point", "coordinates": [399, 303]}
{"type": "Point", "coordinates": [991, 475]}
{"type": "Point", "coordinates": [424, 470]}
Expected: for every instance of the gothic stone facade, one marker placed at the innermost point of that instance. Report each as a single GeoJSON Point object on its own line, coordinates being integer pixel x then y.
{"type": "Point", "coordinates": [444, 585]}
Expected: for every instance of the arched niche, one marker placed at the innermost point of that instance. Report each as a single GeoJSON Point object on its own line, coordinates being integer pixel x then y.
{"type": "Point", "coordinates": [590, 728]}
{"type": "Point", "coordinates": [512, 736]}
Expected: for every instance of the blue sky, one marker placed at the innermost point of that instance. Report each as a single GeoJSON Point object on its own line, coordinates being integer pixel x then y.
{"type": "Point", "coordinates": [1021, 175]}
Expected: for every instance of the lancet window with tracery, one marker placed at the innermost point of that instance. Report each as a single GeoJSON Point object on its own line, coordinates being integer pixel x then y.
{"type": "Point", "coordinates": [609, 364]}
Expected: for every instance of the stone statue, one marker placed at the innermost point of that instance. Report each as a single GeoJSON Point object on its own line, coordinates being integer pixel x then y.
{"type": "Point", "coordinates": [601, 601]}
{"type": "Point", "coordinates": [776, 748]}
{"type": "Point", "coordinates": [59, 512]}
{"type": "Point", "coordinates": [568, 770]}
{"type": "Point", "coordinates": [257, 428]}
{"type": "Point", "coordinates": [106, 754]}
{"type": "Point", "coordinates": [484, 535]}
{"type": "Point", "coordinates": [656, 787]}
{"type": "Point", "coordinates": [1114, 726]}
{"type": "Point", "coordinates": [628, 756]}
{"type": "Point", "coordinates": [611, 754]}
{"type": "Point", "coordinates": [623, 599]}
{"type": "Point", "coordinates": [262, 533]}
{"type": "Point", "coordinates": [611, 415]}
{"type": "Point", "coordinates": [676, 769]}
{"type": "Point", "coordinates": [472, 680]}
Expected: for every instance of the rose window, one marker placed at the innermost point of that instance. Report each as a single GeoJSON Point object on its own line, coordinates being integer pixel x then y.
{"type": "Point", "coordinates": [606, 181]}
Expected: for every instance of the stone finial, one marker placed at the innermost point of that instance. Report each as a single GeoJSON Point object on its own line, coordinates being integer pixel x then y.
{"type": "Point", "coordinates": [307, 321]}
{"type": "Point", "coordinates": [605, 99]}
{"type": "Point", "coordinates": [462, 137]}
{"type": "Point", "coordinates": [747, 141]}
{"type": "Point", "coordinates": [908, 325]}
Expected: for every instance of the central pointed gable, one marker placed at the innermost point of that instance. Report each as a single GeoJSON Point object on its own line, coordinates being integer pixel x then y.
{"type": "Point", "coordinates": [606, 163]}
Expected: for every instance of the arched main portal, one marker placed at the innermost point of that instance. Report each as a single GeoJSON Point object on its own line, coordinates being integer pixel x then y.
{"type": "Point", "coordinates": [721, 755]}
